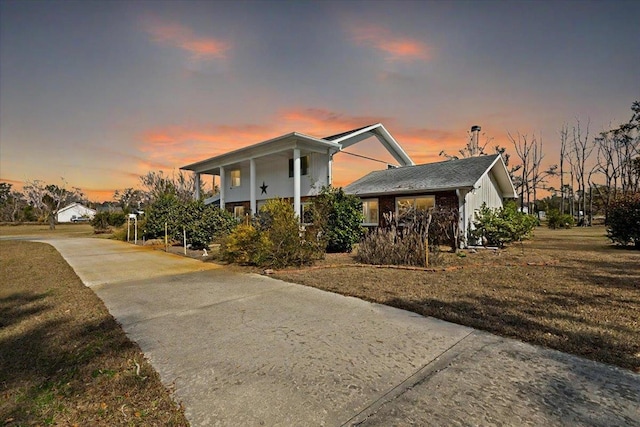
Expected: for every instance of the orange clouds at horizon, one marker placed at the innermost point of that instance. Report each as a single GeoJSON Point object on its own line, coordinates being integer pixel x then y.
{"type": "Point", "coordinates": [177, 35]}
{"type": "Point", "coordinates": [396, 48]}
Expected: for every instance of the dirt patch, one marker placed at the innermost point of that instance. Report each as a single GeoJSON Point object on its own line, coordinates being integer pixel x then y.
{"type": "Point", "coordinates": [567, 289]}
{"type": "Point", "coordinates": [65, 360]}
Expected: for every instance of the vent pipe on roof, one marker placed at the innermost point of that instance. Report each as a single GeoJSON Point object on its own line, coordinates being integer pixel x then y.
{"type": "Point", "coordinates": [475, 140]}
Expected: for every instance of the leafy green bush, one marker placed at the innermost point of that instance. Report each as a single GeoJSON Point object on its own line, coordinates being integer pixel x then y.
{"type": "Point", "coordinates": [202, 223]}
{"type": "Point", "coordinates": [502, 225]}
{"type": "Point", "coordinates": [557, 220]}
{"type": "Point", "coordinates": [623, 221]}
{"type": "Point", "coordinates": [103, 221]}
{"type": "Point", "coordinates": [275, 239]}
{"type": "Point", "coordinates": [338, 216]}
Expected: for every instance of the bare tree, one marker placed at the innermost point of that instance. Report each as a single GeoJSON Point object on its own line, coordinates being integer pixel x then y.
{"type": "Point", "coordinates": [564, 136]}
{"type": "Point", "coordinates": [49, 199]}
{"type": "Point", "coordinates": [157, 184]}
{"type": "Point", "coordinates": [580, 151]}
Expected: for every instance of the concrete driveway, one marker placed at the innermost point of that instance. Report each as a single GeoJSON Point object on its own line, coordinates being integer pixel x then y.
{"type": "Point", "coordinates": [250, 350]}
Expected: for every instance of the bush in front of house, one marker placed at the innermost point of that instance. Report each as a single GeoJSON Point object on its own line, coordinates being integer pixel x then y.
{"type": "Point", "coordinates": [338, 217]}
{"type": "Point", "coordinates": [405, 240]}
{"type": "Point", "coordinates": [201, 223]}
{"type": "Point", "coordinates": [556, 220]}
{"type": "Point", "coordinates": [274, 239]}
{"type": "Point", "coordinates": [500, 226]}
{"type": "Point", "coordinates": [623, 220]}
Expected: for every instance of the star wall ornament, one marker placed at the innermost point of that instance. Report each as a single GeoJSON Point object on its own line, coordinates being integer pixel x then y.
{"type": "Point", "coordinates": [263, 187]}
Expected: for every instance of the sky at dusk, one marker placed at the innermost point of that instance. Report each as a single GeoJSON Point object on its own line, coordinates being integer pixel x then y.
{"type": "Point", "coordinates": [102, 92]}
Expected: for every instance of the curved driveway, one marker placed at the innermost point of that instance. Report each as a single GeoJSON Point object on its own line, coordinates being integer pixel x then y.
{"type": "Point", "coordinates": [244, 349]}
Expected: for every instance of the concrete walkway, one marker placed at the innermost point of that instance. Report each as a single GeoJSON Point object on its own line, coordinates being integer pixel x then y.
{"type": "Point", "coordinates": [250, 350]}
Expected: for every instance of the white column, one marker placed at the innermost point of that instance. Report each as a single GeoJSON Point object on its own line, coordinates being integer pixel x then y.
{"type": "Point", "coordinates": [196, 193]}
{"type": "Point", "coordinates": [296, 182]}
{"type": "Point", "coordinates": [329, 170]}
{"type": "Point", "coordinates": [222, 187]}
{"type": "Point", "coordinates": [252, 185]}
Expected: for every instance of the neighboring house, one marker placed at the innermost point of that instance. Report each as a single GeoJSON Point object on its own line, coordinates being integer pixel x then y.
{"type": "Point", "coordinates": [463, 184]}
{"type": "Point", "coordinates": [73, 211]}
{"type": "Point", "coordinates": [294, 166]}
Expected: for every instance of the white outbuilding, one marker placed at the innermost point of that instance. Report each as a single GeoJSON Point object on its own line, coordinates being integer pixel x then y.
{"type": "Point", "coordinates": [75, 212]}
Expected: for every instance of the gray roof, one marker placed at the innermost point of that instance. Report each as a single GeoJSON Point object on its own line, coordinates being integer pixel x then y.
{"type": "Point", "coordinates": [440, 176]}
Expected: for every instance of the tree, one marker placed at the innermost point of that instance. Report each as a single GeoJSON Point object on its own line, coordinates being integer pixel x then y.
{"type": "Point", "coordinates": [49, 199]}
{"type": "Point", "coordinates": [157, 184]}
{"type": "Point", "coordinates": [129, 198]}
{"type": "Point", "coordinates": [530, 176]}
{"type": "Point", "coordinates": [580, 150]}
{"type": "Point", "coordinates": [12, 203]}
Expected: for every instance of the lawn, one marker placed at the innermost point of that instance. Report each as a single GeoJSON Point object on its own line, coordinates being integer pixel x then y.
{"type": "Point", "coordinates": [570, 290]}
{"type": "Point", "coordinates": [64, 360]}
{"type": "Point", "coordinates": [42, 230]}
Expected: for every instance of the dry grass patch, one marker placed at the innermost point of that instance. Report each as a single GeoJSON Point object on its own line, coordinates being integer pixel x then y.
{"type": "Point", "coordinates": [64, 360]}
{"type": "Point", "coordinates": [42, 230]}
{"type": "Point", "coordinates": [566, 289]}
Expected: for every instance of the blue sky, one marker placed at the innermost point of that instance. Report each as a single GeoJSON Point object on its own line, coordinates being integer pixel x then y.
{"type": "Point", "coordinates": [102, 92]}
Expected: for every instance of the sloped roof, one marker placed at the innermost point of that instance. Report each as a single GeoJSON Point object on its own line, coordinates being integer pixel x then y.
{"type": "Point", "coordinates": [73, 205]}
{"type": "Point", "coordinates": [341, 134]}
{"type": "Point", "coordinates": [440, 176]}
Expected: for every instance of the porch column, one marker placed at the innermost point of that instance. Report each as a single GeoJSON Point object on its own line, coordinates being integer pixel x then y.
{"type": "Point", "coordinates": [252, 185]}
{"type": "Point", "coordinates": [196, 193]}
{"type": "Point", "coordinates": [329, 170]}
{"type": "Point", "coordinates": [222, 187]}
{"type": "Point", "coordinates": [296, 181]}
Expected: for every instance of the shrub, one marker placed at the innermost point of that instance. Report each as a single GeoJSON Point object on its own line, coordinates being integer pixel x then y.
{"type": "Point", "coordinates": [338, 216]}
{"type": "Point", "coordinates": [557, 220]}
{"type": "Point", "coordinates": [203, 223]}
{"type": "Point", "coordinates": [103, 221]}
{"type": "Point", "coordinates": [274, 239]}
{"type": "Point", "coordinates": [502, 225]}
{"type": "Point", "coordinates": [403, 240]}
{"type": "Point", "coordinates": [623, 221]}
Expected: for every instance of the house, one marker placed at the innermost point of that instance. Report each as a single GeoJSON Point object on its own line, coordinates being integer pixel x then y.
{"type": "Point", "coordinates": [294, 166]}
{"type": "Point", "coordinates": [73, 211]}
{"type": "Point", "coordinates": [462, 184]}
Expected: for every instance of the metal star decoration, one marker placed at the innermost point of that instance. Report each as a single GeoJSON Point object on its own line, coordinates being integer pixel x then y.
{"type": "Point", "coordinates": [263, 187]}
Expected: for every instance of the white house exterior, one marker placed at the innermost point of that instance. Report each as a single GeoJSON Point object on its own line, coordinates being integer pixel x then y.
{"type": "Point", "coordinates": [74, 210]}
{"type": "Point", "coordinates": [464, 184]}
{"type": "Point", "coordinates": [294, 166]}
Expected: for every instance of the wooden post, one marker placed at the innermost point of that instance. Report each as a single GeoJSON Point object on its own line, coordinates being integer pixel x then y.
{"type": "Point", "coordinates": [166, 241]}
{"type": "Point", "coordinates": [426, 251]}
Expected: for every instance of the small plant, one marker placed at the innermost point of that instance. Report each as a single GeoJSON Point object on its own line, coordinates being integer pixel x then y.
{"type": "Point", "coordinates": [557, 220]}
{"type": "Point", "coordinates": [623, 222]}
{"type": "Point", "coordinates": [502, 225]}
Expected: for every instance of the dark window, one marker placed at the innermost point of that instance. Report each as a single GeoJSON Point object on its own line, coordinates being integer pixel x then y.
{"type": "Point", "coordinates": [304, 166]}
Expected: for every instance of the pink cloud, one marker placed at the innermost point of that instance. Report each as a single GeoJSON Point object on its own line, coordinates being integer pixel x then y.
{"type": "Point", "coordinates": [177, 35]}
{"type": "Point", "coordinates": [395, 47]}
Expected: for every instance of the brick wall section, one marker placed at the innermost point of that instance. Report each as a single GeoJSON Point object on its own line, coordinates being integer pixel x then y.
{"type": "Point", "coordinates": [447, 199]}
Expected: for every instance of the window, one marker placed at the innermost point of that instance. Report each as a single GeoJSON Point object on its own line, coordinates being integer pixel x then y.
{"type": "Point", "coordinates": [238, 212]}
{"type": "Point", "coordinates": [235, 178]}
{"type": "Point", "coordinates": [370, 211]}
{"type": "Point", "coordinates": [420, 203]}
{"type": "Point", "coordinates": [304, 166]}
{"type": "Point", "coordinates": [307, 212]}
